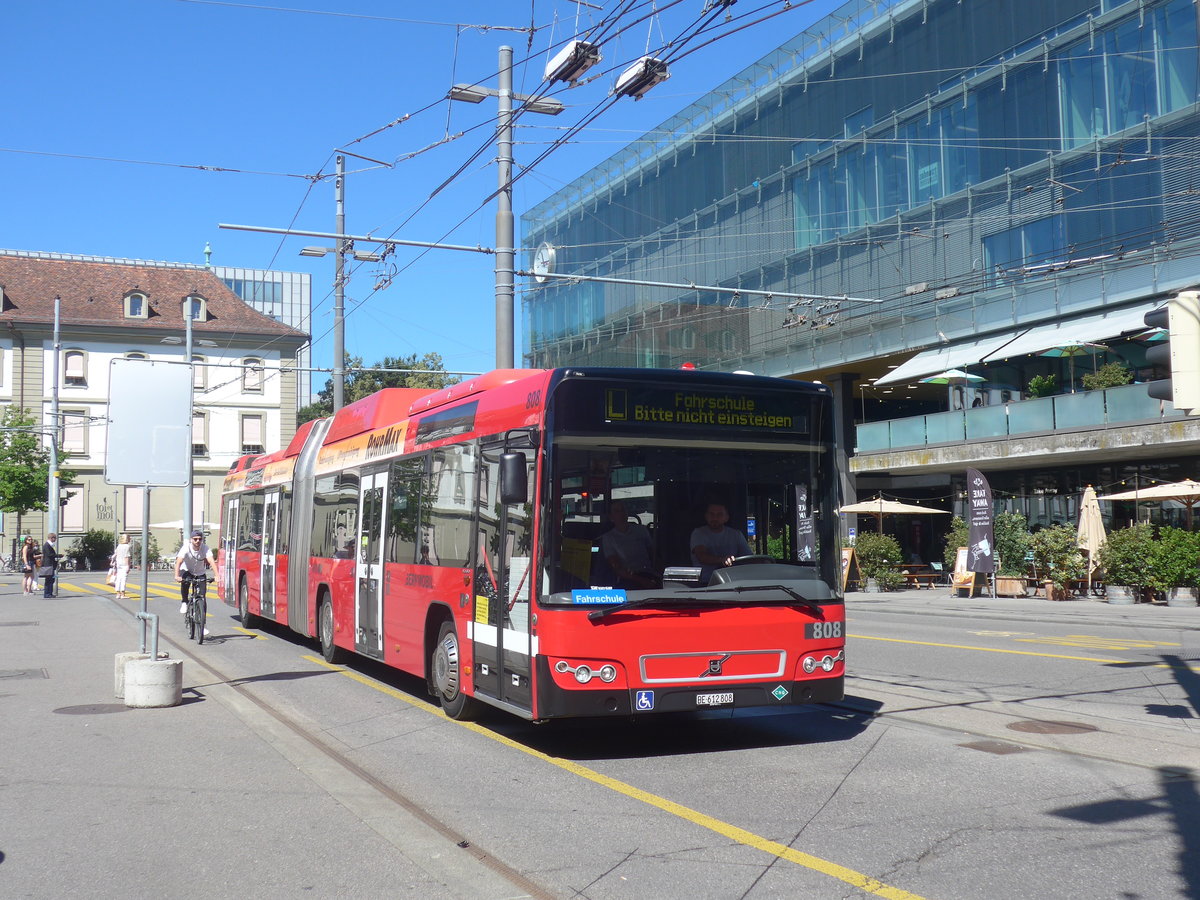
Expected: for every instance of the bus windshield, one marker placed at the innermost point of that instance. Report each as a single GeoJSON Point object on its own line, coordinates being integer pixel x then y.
{"type": "Point", "coordinates": [625, 512]}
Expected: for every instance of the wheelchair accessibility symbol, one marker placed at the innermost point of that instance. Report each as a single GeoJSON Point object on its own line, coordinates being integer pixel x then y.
{"type": "Point", "coordinates": [645, 700]}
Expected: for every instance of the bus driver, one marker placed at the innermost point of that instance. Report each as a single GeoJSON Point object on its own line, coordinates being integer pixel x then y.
{"type": "Point", "coordinates": [714, 544]}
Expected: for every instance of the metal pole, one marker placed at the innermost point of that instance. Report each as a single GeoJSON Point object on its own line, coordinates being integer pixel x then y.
{"type": "Point", "coordinates": [188, 312]}
{"type": "Point", "coordinates": [339, 290]}
{"type": "Point", "coordinates": [504, 218]}
{"type": "Point", "coordinates": [52, 507]}
{"type": "Point", "coordinates": [145, 562]}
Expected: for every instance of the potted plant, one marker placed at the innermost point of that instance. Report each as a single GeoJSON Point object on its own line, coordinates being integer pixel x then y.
{"type": "Point", "coordinates": [1128, 560]}
{"type": "Point", "coordinates": [1012, 543]}
{"type": "Point", "coordinates": [1042, 386]}
{"type": "Point", "coordinates": [1177, 563]}
{"type": "Point", "coordinates": [1057, 559]}
{"type": "Point", "coordinates": [877, 556]}
{"type": "Point", "coordinates": [956, 537]}
{"type": "Point", "coordinates": [1112, 374]}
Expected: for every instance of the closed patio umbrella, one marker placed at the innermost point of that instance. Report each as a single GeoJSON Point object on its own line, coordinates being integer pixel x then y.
{"type": "Point", "coordinates": [879, 507]}
{"type": "Point", "coordinates": [1091, 535]}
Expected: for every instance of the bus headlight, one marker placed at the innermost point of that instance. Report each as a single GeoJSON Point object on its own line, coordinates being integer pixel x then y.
{"type": "Point", "coordinates": [584, 673]}
{"type": "Point", "coordinates": [826, 662]}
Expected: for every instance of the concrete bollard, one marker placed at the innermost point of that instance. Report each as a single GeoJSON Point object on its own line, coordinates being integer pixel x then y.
{"type": "Point", "coordinates": [153, 683]}
{"type": "Point", "coordinates": [119, 671]}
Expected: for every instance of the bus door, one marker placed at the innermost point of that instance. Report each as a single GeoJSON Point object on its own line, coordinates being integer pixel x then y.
{"type": "Point", "coordinates": [372, 511]}
{"type": "Point", "coordinates": [270, 540]}
{"type": "Point", "coordinates": [504, 577]}
{"type": "Point", "coordinates": [228, 573]}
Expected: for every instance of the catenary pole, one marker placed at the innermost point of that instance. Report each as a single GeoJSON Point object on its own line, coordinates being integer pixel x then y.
{"type": "Point", "coordinates": [339, 289]}
{"type": "Point", "coordinates": [504, 217]}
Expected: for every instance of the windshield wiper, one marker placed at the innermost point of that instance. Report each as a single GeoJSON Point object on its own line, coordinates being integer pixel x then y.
{"type": "Point", "coordinates": [693, 600]}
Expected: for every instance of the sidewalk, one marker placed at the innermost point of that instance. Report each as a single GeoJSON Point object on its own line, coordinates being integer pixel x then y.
{"type": "Point", "coordinates": [944, 601]}
{"type": "Point", "coordinates": [205, 799]}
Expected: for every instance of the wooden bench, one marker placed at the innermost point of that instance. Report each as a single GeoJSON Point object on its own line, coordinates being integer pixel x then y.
{"type": "Point", "coordinates": [922, 579]}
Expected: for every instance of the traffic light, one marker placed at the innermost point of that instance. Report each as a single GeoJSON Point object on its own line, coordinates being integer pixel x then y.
{"type": "Point", "coordinates": [1180, 353]}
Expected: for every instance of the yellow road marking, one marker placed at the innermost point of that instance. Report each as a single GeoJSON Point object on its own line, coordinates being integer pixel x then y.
{"type": "Point", "coordinates": [249, 633]}
{"type": "Point", "coordinates": [1099, 659]}
{"type": "Point", "coordinates": [72, 587]}
{"type": "Point", "coordinates": [1098, 643]}
{"type": "Point", "coordinates": [866, 637]}
{"type": "Point", "coordinates": [740, 835]}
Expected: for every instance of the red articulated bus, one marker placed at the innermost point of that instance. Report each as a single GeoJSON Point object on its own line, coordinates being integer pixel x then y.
{"type": "Point", "coordinates": [460, 535]}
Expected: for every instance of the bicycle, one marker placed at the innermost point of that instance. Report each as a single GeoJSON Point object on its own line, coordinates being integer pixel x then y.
{"type": "Point", "coordinates": [197, 608]}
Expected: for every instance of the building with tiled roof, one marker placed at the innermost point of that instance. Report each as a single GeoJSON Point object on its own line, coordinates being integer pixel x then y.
{"type": "Point", "coordinates": [245, 378]}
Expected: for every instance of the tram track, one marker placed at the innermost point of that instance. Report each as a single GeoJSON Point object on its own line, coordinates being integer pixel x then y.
{"type": "Point", "coordinates": [413, 830]}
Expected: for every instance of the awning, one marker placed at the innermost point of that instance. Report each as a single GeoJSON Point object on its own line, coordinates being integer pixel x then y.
{"type": "Point", "coordinates": [1020, 341]}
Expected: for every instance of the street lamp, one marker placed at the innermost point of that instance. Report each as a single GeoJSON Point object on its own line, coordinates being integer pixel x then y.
{"type": "Point", "coordinates": [473, 93]}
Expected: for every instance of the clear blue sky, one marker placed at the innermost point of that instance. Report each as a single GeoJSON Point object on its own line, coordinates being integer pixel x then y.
{"type": "Point", "coordinates": [111, 107]}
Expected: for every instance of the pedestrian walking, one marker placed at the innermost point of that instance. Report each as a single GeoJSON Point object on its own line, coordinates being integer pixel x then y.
{"type": "Point", "coordinates": [121, 566]}
{"type": "Point", "coordinates": [49, 567]}
{"type": "Point", "coordinates": [29, 564]}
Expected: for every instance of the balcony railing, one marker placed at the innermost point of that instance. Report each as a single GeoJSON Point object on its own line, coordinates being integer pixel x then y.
{"type": "Point", "coordinates": [1083, 411]}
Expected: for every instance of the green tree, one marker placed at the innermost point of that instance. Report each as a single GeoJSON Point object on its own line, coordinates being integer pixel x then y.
{"type": "Point", "coordinates": [429, 373]}
{"type": "Point", "coordinates": [1012, 542]}
{"type": "Point", "coordinates": [24, 464]}
{"type": "Point", "coordinates": [956, 537]}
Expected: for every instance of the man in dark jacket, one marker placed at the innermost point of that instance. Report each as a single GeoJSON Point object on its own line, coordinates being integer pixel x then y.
{"type": "Point", "coordinates": [50, 563]}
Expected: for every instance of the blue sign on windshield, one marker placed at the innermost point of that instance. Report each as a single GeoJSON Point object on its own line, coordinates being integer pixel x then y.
{"type": "Point", "coordinates": [598, 595]}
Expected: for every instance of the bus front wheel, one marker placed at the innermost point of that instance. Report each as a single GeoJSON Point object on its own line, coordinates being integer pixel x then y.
{"type": "Point", "coordinates": [329, 650]}
{"type": "Point", "coordinates": [446, 668]}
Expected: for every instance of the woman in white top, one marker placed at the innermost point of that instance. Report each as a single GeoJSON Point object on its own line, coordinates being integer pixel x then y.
{"type": "Point", "coordinates": [121, 563]}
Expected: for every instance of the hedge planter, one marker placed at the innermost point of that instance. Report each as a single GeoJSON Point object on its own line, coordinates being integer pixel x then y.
{"type": "Point", "coordinates": [1121, 595]}
{"type": "Point", "coordinates": [1181, 597]}
{"type": "Point", "coordinates": [1007, 586]}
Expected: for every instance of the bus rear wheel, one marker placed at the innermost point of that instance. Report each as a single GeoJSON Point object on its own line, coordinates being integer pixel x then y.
{"type": "Point", "coordinates": [331, 651]}
{"type": "Point", "coordinates": [446, 674]}
{"type": "Point", "coordinates": [245, 618]}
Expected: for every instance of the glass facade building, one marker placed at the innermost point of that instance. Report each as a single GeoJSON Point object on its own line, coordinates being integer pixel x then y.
{"type": "Point", "coordinates": [901, 152]}
{"type": "Point", "coordinates": [928, 182]}
{"type": "Point", "coordinates": [284, 296]}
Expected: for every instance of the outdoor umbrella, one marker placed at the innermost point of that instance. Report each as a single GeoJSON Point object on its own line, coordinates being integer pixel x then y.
{"type": "Point", "coordinates": [880, 508]}
{"type": "Point", "coordinates": [1186, 492]}
{"type": "Point", "coordinates": [1072, 349]}
{"type": "Point", "coordinates": [1091, 536]}
{"type": "Point", "coordinates": [952, 376]}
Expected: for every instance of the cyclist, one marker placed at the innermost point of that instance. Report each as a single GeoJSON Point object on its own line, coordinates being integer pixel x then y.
{"type": "Point", "coordinates": [194, 557]}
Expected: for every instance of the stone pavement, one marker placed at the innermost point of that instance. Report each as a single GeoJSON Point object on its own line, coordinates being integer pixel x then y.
{"type": "Point", "coordinates": [214, 797]}
{"type": "Point", "coordinates": [211, 798]}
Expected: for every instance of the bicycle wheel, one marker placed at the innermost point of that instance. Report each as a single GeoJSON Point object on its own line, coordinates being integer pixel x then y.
{"type": "Point", "coordinates": [190, 616]}
{"type": "Point", "coordinates": [201, 615]}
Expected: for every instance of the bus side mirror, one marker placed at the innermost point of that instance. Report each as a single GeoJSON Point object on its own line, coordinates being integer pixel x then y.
{"type": "Point", "coordinates": [514, 478]}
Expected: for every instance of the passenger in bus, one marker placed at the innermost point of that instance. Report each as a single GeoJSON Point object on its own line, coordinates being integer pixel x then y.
{"type": "Point", "coordinates": [342, 548]}
{"type": "Point", "coordinates": [715, 544]}
{"type": "Point", "coordinates": [628, 549]}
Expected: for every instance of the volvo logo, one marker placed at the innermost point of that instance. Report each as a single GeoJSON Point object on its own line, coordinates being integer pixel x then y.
{"type": "Point", "coordinates": [714, 665]}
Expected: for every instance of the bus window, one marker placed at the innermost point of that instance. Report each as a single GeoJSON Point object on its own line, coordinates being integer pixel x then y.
{"type": "Point", "coordinates": [404, 520]}
{"type": "Point", "coordinates": [769, 494]}
{"type": "Point", "coordinates": [449, 488]}
{"type": "Point", "coordinates": [335, 516]}
{"type": "Point", "coordinates": [250, 522]}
